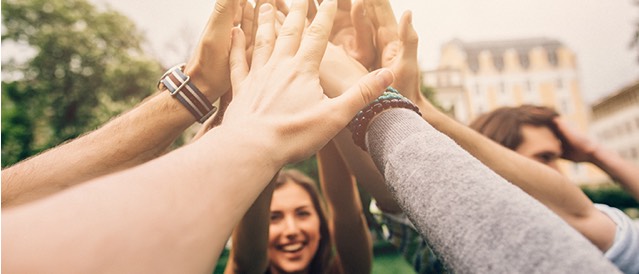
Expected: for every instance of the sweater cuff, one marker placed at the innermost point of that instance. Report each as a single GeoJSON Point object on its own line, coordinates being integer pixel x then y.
{"type": "Point", "coordinates": [387, 130]}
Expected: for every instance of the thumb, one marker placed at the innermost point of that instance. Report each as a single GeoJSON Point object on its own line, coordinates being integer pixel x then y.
{"type": "Point", "coordinates": [363, 27]}
{"type": "Point", "coordinates": [408, 36]}
{"type": "Point", "coordinates": [361, 94]}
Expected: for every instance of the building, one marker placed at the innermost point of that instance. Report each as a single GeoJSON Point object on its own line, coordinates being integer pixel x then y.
{"type": "Point", "coordinates": [477, 77]}
{"type": "Point", "coordinates": [615, 122]}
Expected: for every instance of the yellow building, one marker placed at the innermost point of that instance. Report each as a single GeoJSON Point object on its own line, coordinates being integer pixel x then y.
{"type": "Point", "coordinates": [615, 122]}
{"type": "Point", "coordinates": [477, 77]}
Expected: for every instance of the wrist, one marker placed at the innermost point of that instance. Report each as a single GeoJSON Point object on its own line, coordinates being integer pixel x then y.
{"type": "Point", "coordinates": [265, 147]}
{"type": "Point", "coordinates": [194, 70]}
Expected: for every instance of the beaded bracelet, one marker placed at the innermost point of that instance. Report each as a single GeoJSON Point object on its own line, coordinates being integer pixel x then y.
{"type": "Point", "coordinates": [391, 98]}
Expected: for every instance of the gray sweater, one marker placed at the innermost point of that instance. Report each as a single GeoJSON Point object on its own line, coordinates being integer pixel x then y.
{"type": "Point", "coordinates": [474, 220]}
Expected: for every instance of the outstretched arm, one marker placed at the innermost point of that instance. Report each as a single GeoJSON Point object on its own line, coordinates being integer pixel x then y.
{"type": "Point", "coordinates": [473, 219]}
{"type": "Point", "coordinates": [348, 224]}
{"type": "Point", "coordinates": [545, 184]}
{"type": "Point", "coordinates": [175, 213]}
{"type": "Point", "coordinates": [135, 137]}
{"type": "Point", "coordinates": [250, 237]}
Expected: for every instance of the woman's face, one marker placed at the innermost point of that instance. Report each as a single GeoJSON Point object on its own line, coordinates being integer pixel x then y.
{"type": "Point", "coordinates": [294, 231]}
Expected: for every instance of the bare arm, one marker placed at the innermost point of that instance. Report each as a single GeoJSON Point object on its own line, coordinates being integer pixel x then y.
{"type": "Point", "coordinates": [133, 138]}
{"type": "Point", "coordinates": [348, 224]}
{"type": "Point", "coordinates": [542, 182]}
{"type": "Point", "coordinates": [175, 213]}
{"type": "Point", "coordinates": [179, 217]}
{"type": "Point", "coordinates": [250, 237]}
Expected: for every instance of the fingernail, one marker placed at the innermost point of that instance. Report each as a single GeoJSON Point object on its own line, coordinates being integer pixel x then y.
{"type": "Point", "coordinates": [266, 7]}
{"type": "Point", "coordinates": [385, 77]}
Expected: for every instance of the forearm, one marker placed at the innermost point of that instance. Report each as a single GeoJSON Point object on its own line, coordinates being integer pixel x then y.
{"type": "Point", "coordinates": [348, 224]}
{"type": "Point", "coordinates": [541, 182]}
{"type": "Point", "coordinates": [337, 73]}
{"type": "Point", "coordinates": [250, 237]}
{"type": "Point", "coordinates": [620, 170]}
{"type": "Point", "coordinates": [131, 139]}
{"type": "Point", "coordinates": [473, 219]}
{"type": "Point", "coordinates": [179, 218]}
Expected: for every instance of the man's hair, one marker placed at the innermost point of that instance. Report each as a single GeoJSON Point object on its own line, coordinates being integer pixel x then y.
{"type": "Point", "coordinates": [503, 125]}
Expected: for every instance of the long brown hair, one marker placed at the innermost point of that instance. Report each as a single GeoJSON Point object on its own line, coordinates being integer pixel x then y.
{"type": "Point", "coordinates": [503, 125]}
{"type": "Point", "coordinates": [323, 257]}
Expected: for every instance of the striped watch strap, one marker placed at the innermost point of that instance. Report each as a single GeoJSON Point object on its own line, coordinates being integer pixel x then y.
{"type": "Point", "coordinates": [181, 88]}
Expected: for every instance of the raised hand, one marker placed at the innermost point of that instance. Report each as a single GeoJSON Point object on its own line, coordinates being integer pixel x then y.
{"type": "Point", "coordinates": [578, 147]}
{"type": "Point", "coordinates": [209, 65]}
{"type": "Point", "coordinates": [352, 31]}
{"type": "Point", "coordinates": [397, 47]}
{"type": "Point", "coordinates": [280, 97]}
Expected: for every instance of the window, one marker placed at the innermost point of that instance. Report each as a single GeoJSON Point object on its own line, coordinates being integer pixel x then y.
{"type": "Point", "coordinates": [529, 86]}
{"type": "Point", "coordinates": [560, 83]}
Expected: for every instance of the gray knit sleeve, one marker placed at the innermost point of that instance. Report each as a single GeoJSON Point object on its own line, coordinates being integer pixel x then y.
{"type": "Point", "coordinates": [475, 220]}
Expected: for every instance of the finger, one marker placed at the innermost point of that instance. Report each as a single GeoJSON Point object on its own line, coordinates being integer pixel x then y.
{"type": "Point", "coordinates": [248, 20]}
{"type": "Point", "coordinates": [237, 59]}
{"type": "Point", "coordinates": [239, 13]}
{"type": "Point", "coordinates": [343, 5]}
{"type": "Point", "coordinates": [363, 28]}
{"type": "Point", "coordinates": [279, 21]}
{"type": "Point", "coordinates": [361, 94]}
{"type": "Point", "coordinates": [315, 39]}
{"type": "Point", "coordinates": [290, 34]}
{"type": "Point", "coordinates": [312, 10]}
{"type": "Point", "coordinates": [282, 6]}
{"type": "Point", "coordinates": [221, 21]}
{"type": "Point", "coordinates": [408, 36]}
{"type": "Point", "coordinates": [384, 21]}
{"type": "Point", "coordinates": [256, 15]}
{"type": "Point", "coordinates": [264, 36]}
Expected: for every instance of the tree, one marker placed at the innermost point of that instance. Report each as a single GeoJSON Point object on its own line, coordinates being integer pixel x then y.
{"type": "Point", "coordinates": [88, 65]}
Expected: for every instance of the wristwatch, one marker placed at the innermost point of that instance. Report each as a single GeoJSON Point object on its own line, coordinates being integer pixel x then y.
{"type": "Point", "coordinates": [181, 88]}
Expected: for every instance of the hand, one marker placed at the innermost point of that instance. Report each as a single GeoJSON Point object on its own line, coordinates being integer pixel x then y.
{"type": "Point", "coordinates": [280, 97]}
{"type": "Point", "coordinates": [352, 30]}
{"type": "Point", "coordinates": [577, 147]}
{"type": "Point", "coordinates": [216, 119]}
{"type": "Point", "coordinates": [209, 66]}
{"type": "Point", "coordinates": [397, 48]}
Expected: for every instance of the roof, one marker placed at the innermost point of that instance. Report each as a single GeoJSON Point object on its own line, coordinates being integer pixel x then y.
{"type": "Point", "coordinates": [499, 47]}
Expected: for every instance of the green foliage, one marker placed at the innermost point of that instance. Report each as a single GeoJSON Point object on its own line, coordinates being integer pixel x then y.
{"type": "Point", "coordinates": [308, 166]}
{"type": "Point", "coordinates": [611, 195]}
{"type": "Point", "coordinates": [88, 65]}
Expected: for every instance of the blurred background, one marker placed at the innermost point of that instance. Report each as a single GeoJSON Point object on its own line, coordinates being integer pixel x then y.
{"type": "Point", "coordinates": [68, 66]}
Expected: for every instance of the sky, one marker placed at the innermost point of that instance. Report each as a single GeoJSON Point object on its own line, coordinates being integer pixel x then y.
{"type": "Point", "coordinates": [599, 32]}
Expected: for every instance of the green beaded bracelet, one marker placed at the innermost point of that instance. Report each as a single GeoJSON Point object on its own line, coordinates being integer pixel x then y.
{"type": "Point", "coordinates": [391, 98]}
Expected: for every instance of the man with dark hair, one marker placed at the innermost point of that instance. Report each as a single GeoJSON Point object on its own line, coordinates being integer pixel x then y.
{"type": "Point", "coordinates": [538, 133]}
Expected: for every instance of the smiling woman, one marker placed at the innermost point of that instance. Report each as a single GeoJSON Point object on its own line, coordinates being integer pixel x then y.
{"type": "Point", "coordinates": [289, 230]}
{"type": "Point", "coordinates": [298, 233]}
